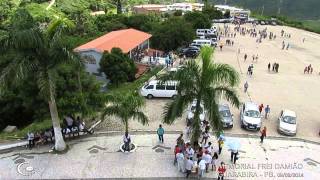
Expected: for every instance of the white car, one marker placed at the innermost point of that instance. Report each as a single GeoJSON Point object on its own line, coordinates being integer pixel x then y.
{"type": "Point", "coordinates": [250, 117]}
{"type": "Point", "coordinates": [288, 122]}
{"type": "Point", "coordinates": [156, 89]}
{"type": "Point", "coordinates": [191, 110]}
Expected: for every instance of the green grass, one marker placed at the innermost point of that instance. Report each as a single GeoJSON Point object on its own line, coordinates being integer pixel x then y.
{"type": "Point", "coordinates": [135, 85]}
{"type": "Point", "coordinates": [313, 25]}
{"type": "Point", "coordinates": [34, 127]}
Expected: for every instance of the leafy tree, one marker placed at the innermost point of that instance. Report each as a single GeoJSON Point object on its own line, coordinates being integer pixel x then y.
{"type": "Point", "coordinates": [111, 22]}
{"type": "Point", "coordinates": [177, 13]}
{"type": "Point", "coordinates": [125, 106]}
{"type": "Point", "coordinates": [206, 82]}
{"type": "Point", "coordinates": [198, 20]}
{"type": "Point", "coordinates": [142, 22]}
{"type": "Point", "coordinates": [39, 54]}
{"type": "Point", "coordinates": [6, 8]}
{"type": "Point", "coordinates": [169, 35]}
{"type": "Point", "coordinates": [227, 14]}
{"type": "Point", "coordinates": [212, 12]}
{"type": "Point", "coordinates": [84, 22]}
{"type": "Point", "coordinates": [77, 92]}
{"type": "Point", "coordinates": [117, 66]}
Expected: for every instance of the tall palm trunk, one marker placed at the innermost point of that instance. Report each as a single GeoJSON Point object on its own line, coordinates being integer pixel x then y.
{"type": "Point", "coordinates": [196, 123]}
{"type": "Point", "coordinates": [60, 145]}
{"type": "Point", "coordinates": [126, 125]}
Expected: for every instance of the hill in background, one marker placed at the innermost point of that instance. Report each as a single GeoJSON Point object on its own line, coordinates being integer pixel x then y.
{"type": "Point", "coordinates": [298, 9]}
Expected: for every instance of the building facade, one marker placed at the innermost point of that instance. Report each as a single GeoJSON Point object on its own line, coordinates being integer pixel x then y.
{"type": "Point", "coordinates": [131, 41]}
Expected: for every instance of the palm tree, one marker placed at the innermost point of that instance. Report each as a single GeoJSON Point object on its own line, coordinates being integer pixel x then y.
{"type": "Point", "coordinates": [126, 107]}
{"type": "Point", "coordinates": [38, 52]}
{"type": "Point", "coordinates": [206, 82]}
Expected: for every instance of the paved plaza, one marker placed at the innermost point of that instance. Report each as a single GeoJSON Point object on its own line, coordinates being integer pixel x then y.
{"type": "Point", "coordinates": [99, 157]}
{"type": "Point", "coordinates": [288, 89]}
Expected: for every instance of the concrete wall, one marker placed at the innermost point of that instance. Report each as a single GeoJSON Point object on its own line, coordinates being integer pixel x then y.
{"type": "Point", "coordinates": [92, 67]}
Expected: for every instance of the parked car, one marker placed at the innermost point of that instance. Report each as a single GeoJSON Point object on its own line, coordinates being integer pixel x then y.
{"type": "Point", "coordinates": [191, 110]}
{"type": "Point", "coordinates": [192, 53]}
{"type": "Point", "coordinates": [250, 117]}
{"type": "Point", "coordinates": [156, 89]}
{"type": "Point", "coordinates": [287, 122]}
{"type": "Point", "coordinates": [227, 117]}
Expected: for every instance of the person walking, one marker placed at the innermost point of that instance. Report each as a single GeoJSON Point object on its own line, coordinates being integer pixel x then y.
{"type": "Point", "coordinates": [263, 134]}
{"type": "Point", "coordinates": [246, 85]}
{"type": "Point", "coordinates": [176, 151]}
{"type": "Point", "coordinates": [202, 167]}
{"type": "Point", "coordinates": [220, 144]}
{"type": "Point", "coordinates": [30, 139]}
{"type": "Point", "coordinates": [221, 171]}
{"type": "Point", "coordinates": [214, 161]}
{"type": "Point", "coordinates": [234, 156]}
{"type": "Point", "coordinates": [267, 111]}
{"type": "Point", "coordinates": [205, 136]}
{"type": "Point", "coordinates": [207, 157]}
{"type": "Point", "coordinates": [180, 142]}
{"type": "Point", "coordinates": [189, 165]}
{"type": "Point", "coordinates": [269, 65]}
{"type": "Point", "coordinates": [261, 108]}
{"type": "Point", "coordinates": [245, 57]}
{"type": "Point", "coordinates": [180, 160]}
{"type": "Point", "coordinates": [160, 133]}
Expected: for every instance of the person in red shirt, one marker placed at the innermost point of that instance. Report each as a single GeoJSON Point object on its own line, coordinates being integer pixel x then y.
{"type": "Point", "coordinates": [221, 171]}
{"type": "Point", "coordinates": [263, 134]}
{"type": "Point", "coordinates": [176, 151]}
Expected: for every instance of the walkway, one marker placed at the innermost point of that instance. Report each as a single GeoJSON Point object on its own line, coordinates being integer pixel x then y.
{"type": "Point", "coordinates": [98, 157]}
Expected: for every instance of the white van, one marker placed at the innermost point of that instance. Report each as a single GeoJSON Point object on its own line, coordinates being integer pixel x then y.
{"type": "Point", "coordinates": [202, 42]}
{"type": "Point", "coordinates": [203, 32]}
{"type": "Point", "coordinates": [154, 89]}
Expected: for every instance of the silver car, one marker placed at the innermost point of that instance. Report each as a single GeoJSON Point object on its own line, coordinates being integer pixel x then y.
{"type": "Point", "coordinates": [227, 117]}
{"type": "Point", "coordinates": [287, 123]}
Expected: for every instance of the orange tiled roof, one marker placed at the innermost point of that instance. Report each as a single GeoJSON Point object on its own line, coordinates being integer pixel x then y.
{"type": "Point", "coordinates": [126, 40]}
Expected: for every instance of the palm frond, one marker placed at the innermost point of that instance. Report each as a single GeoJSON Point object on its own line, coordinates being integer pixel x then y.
{"type": "Point", "coordinates": [206, 56]}
{"type": "Point", "coordinates": [141, 117]}
{"type": "Point", "coordinates": [112, 110]}
{"type": "Point", "coordinates": [174, 109]}
{"type": "Point", "coordinates": [223, 74]}
{"type": "Point", "coordinates": [229, 94]}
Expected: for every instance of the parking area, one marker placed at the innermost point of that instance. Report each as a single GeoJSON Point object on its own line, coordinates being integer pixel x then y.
{"type": "Point", "coordinates": [288, 89]}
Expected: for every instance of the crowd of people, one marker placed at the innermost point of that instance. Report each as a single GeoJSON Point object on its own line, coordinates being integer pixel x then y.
{"type": "Point", "coordinates": [200, 158]}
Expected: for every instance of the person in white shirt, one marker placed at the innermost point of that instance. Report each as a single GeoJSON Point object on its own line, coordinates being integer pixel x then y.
{"type": "Point", "coordinates": [189, 152]}
{"type": "Point", "coordinates": [202, 167]}
{"type": "Point", "coordinates": [207, 157]}
{"type": "Point", "coordinates": [209, 148]}
{"type": "Point", "coordinates": [180, 160]}
{"type": "Point", "coordinates": [189, 165]}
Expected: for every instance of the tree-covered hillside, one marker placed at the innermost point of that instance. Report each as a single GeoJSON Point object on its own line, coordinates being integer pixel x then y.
{"type": "Point", "coordinates": [300, 9]}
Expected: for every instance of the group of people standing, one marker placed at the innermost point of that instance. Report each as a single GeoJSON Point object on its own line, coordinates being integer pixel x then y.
{"type": "Point", "coordinates": [199, 159]}
{"type": "Point", "coordinates": [275, 67]}
{"type": "Point", "coordinates": [308, 69]}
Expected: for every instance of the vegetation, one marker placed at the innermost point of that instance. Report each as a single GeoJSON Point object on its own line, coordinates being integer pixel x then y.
{"type": "Point", "coordinates": [206, 82]}
{"type": "Point", "coordinates": [118, 67]}
{"type": "Point", "coordinates": [37, 54]}
{"type": "Point", "coordinates": [125, 106]}
{"type": "Point", "coordinates": [169, 35]}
